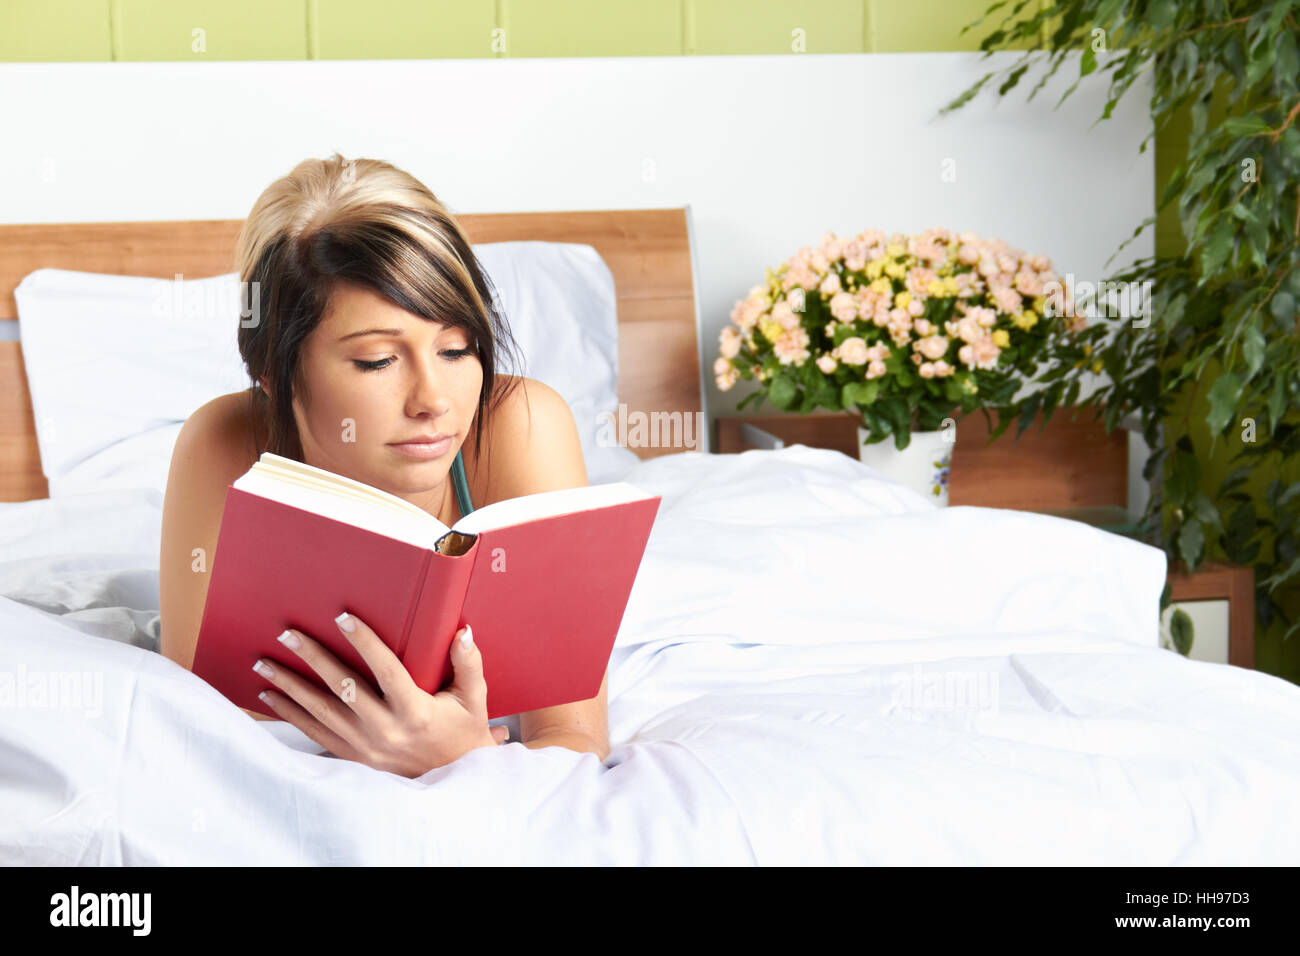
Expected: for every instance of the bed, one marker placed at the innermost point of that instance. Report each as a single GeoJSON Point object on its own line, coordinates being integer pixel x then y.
{"type": "Point", "coordinates": [816, 665]}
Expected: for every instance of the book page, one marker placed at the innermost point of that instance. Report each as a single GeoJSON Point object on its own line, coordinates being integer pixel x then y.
{"type": "Point", "coordinates": [341, 484]}
{"type": "Point", "coordinates": [339, 503]}
{"type": "Point", "coordinates": [547, 504]}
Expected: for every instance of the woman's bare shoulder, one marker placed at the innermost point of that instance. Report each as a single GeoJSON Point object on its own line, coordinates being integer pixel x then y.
{"type": "Point", "coordinates": [532, 444]}
{"type": "Point", "coordinates": [218, 439]}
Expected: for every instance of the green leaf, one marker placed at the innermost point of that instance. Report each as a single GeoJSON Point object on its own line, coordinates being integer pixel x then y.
{"type": "Point", "coordinates": [783, 390]}
{"type": "Point", "coordinates": [1245, 125]}
{"type": "Point", "coordinates": [1191, 540]}
{"type": "Point", "coordinates": [1180, 631]}
{"type": "Point", "coordinates": [1253, 350]}
{"type": "Point", "coordinates": [1088, 62]}
{"type": "Point", "coordinates": [1282, 308]}
{"type": "Point", "coordinates": [1217, 249]}
{"type": "Point", "coordinates": [1277, 401]}
{"type": "Point", "coordinates": [1239, 477]}
{"type": "Point", "coordinates": [1224, 396]}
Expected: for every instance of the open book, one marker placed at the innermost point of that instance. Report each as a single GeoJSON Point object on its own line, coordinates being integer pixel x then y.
{"type": "Point", "coordinates": [543, 580]}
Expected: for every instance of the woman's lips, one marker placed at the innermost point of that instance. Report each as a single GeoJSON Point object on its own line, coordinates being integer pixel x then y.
{"type": "Point", "coordinates": [423, 450]}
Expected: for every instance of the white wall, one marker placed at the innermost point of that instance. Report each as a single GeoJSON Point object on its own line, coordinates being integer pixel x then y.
{"type": "Point", "coordinates": [769, 151]}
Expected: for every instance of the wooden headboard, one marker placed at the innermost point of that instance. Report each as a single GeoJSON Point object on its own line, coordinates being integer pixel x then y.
{"type": "Point", "coordinates": [647, 250]}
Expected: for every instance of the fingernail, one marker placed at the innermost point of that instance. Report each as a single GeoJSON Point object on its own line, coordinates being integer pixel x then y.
{"type": "Point", "coordinates": [265, 669]}
{"type": "Point", "coordinates": [345, 623]}
{"type": "Point", "coordinates": [467, 637]}
{"type": "Point", "coordinates": [289, 640]}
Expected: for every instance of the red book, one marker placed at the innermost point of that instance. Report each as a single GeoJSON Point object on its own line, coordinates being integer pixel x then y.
{"type": "Point", "coordinates": [543, 580]}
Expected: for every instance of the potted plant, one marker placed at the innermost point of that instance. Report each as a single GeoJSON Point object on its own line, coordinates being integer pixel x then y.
{"type": "Point", "coordinates": [903, 333]}
{"type": "Point", "coordinates": [1224, 333]}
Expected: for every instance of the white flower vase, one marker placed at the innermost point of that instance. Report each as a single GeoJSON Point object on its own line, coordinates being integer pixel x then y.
{"type": "Point", "coordinates": [922, 466]}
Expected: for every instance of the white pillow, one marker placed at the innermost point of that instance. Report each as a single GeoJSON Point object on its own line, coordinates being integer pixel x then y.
{"type": "Point", "coordinates": [112, 361]}
{"type": "Point", "coordinates": [116, 363]}
{"type": "Point", "coordinates": [558, 299]}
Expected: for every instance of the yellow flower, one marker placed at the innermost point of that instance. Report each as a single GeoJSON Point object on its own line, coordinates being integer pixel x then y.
{"type": "Point", "coordinates": [895, 249]}
{"type": "Point", "coordinates": [895, 269]}
{"type": "Point", "coordinates": [934, 287]}
{"type": "Point", "coordinates": [882, 285]}
{"type": "Point", "coordinates": [1097, 367]}
{"type": "Point", "coordinates": [1040, 304]}
{"type": "Point", "coordinates": [1001, 339]}
{"type": "Point", "coordinates": [770, 328]}
{"type": "Point", "coordinates": [950, 285]}
{"type": "Point", "coordinates": [1087, 349]}
{"type": "Point", "coordinates": [875, 267]}
{"type": "Point", "coordinates": [1025, 320]}
{"type": "Point", "coordinates": [901, 300]}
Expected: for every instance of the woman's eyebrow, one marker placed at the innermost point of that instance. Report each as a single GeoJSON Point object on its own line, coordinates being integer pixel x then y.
{"type": "Point", "coordinates": [353, 335]}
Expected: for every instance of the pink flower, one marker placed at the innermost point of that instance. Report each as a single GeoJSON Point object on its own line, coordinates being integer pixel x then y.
{"type": "Point", "coordinates": [852, 351]}
{"type": "Point", "coordinates": [826, 363]}
{"type": "Point", "coordinates": [924, 327]}
{"type": "Point", "coordinates": [1007, 300]}
{"type": "Point", "coordinates": [746, 313]}
{"type": "Point", "coordinates": [830, 285]}
{"type": "Point", "coordinates": [875, 370]}
{"type": "Point", "coordinates": [799, 275]}
{"type": "Point", "coordinates": [844, 306]}
{"type": "Point", "coordinates": [721, 366]}
{"type": "Point", "coordinates": [791, 347]}
{"type": "Point", "coordinates": [917, 280]}
{"type": "Point", "coordinates": [942, 369]}
{"type": "Point", "coordinates": [967, 328]}
{"type": "Point", "coordinates": [729, 342]}
{"type": "Point", "coordinates": [927, 370]}
{"type": "Point", "coordinates": [932, 346]}
{"type": "Point", "coordinates": [784, 315]}
{"type": "Point", "coordinates": [968, 284]}
{"type": "Point", "coordinates": [855, 256]}
{"type": "Point", "coordinates": [979, 354]}
{"type": "Point", "coordinates": [831, 248]}
{"type": "Point", "coordinates": [1029, 283]}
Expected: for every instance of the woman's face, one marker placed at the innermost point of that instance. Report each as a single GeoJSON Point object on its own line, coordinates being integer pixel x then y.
{"type": "Point", "coordinates": [420, 383]}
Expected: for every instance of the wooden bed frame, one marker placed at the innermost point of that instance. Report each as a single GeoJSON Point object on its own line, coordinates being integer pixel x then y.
{"type": "Point", "coordinates": [647, 250]}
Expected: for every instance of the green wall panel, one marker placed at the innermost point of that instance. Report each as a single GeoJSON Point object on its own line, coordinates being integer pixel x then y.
{"type": "Point", "coordinates": [39, 31]}
{"type": "Point", "coordinates": [403, 29]}
{"type": "Point", "coordinates": [774, 26]}
{"type": "Point", "coordinates": [232, 29]}
{"type": "Point", "coordinates": [931, 26]}
{"type": "Point", "coordinates": [592, 27]}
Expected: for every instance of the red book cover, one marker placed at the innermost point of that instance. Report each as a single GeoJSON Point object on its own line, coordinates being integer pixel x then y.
{"type": "Point", "coordinates": [545, 597]}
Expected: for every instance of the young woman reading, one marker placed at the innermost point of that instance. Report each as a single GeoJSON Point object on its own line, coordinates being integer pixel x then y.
{"type": "Point", "coordinates": [376, 351]}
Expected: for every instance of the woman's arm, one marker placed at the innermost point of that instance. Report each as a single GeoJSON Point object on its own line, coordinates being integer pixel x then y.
{"type": "Point", "coordinates": [207, 457]}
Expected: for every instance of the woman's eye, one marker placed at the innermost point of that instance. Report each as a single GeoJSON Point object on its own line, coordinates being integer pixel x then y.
{"type": "Point", "coordinates": [454, 354]}
{"type": "Point", "coordinates": [371, 366]}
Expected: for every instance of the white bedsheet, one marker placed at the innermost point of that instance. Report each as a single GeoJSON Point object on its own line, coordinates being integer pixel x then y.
{"type": "Point", "coordinates": [815, 666]}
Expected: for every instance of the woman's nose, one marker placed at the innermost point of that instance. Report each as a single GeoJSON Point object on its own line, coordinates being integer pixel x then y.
{"type": "Point", "coordinates": [427, 392]}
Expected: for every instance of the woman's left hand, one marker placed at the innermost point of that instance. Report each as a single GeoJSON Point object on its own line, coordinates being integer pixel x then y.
{"type": "Point", "coordinates": [400, 728]}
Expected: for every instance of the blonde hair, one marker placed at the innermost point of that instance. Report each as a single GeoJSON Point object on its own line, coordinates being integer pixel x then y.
{"type": "Point", "coordinates": [362, 221]}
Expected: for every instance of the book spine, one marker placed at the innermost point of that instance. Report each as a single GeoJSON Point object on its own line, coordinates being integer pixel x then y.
{"type": "Point", "coordinates": [434, 617]}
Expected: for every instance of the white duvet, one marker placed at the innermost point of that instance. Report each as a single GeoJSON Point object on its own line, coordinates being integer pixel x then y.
{"type": "Point", "coordinates": [815, 666]}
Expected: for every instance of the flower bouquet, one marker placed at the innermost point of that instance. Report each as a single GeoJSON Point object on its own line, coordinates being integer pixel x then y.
{"type": "Point", "coordinates": [901, 332]}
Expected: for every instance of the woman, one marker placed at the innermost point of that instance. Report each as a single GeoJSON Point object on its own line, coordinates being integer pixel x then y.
{"type": "Point", "coordinates": [375, 350]}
